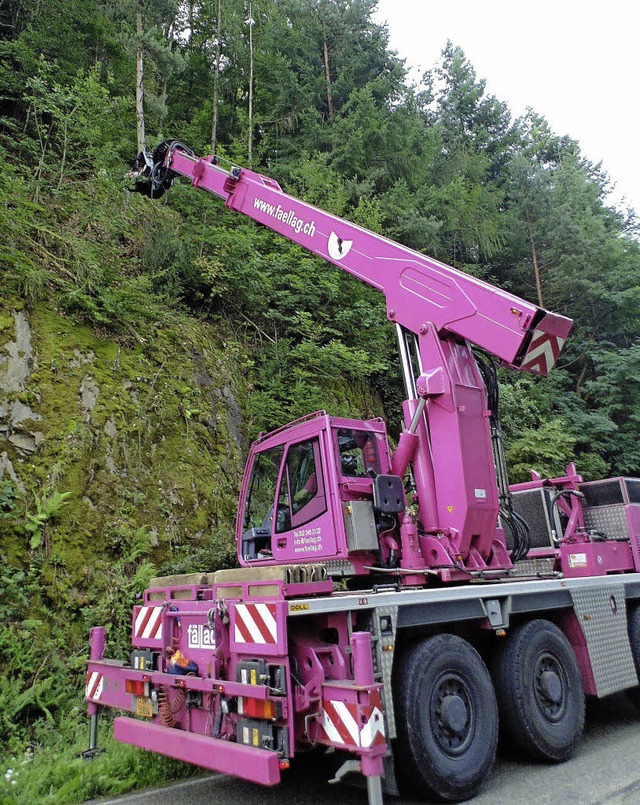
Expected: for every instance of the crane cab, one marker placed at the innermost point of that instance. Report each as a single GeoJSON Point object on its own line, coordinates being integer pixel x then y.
{"type": "Point", "coordinates": [313, 492]}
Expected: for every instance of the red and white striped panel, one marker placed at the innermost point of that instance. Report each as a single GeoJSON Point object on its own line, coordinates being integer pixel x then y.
{"type": "Point", "coordinates": [340, 723]}
{"type": "Point", "coordinates": [256, 623]}
{"type": "Point", "coordinates": [372, 733]}
{"type": "Point", "coordinates": [95, 683]}
{"type": "Point", "coordinates": [147, 623]}
{"type": "Point", "coordinates": [542, 353]}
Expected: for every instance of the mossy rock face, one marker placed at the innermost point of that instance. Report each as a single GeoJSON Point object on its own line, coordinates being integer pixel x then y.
{"type": "Point", "coordinates": [144, 438]}
{"type": "Point", "coordinates": [120, 460]}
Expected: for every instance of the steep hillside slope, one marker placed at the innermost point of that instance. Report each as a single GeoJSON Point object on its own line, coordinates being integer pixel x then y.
{"type": "Point", "coordinates": [134, 438]}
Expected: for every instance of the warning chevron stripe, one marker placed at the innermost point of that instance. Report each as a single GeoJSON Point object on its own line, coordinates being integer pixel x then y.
{"type": "Point", "coordinates": [372, 733]}
{"type": "Point", "coordinates": [543, 352]}
{"type": "Point", "coordinates": [242, 634]}
{"type": "Point", "coordinates": [256, 623]}
{"type": "Point", "coordinates": [148, 623]}
{"type": "Point", "coordinates": [341, 724]}
{"type": "Point", "coordinates": [95, 683]}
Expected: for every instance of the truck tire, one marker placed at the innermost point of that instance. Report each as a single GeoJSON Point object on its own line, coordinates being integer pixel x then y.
{"type": "Point", "coordinates": [446, 719]}
{"type": "Point", "coordinates": [539, 691]}
{"type": "Point", "coordinates": [633, 624]}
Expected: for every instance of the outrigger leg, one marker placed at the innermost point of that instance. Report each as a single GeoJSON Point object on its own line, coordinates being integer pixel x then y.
{"type": "Point", "coordinates": [96, 653]}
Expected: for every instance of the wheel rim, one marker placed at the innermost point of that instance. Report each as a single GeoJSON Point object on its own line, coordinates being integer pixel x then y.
{"type": "Point", "coordinates": [550, 687]}
{"type": "Point", "coordinates": [452, 714]}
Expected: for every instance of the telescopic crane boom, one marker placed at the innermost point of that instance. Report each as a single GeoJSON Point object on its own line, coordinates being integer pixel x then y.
{"type": "Point", "coordinates": [417, 288]}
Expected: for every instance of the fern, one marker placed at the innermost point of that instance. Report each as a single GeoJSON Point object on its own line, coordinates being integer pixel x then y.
{"type": "Point", "coordinates": [48, 507]}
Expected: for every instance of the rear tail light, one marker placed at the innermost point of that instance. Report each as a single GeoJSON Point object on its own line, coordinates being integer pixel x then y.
{"type": "Point", "coordinates": [135, 686]}
{"type": "Point", "coordinates": [257, 708]}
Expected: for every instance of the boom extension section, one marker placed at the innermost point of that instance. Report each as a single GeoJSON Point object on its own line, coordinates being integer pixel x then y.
{"type": "Point", "coordinates": [418, 289]}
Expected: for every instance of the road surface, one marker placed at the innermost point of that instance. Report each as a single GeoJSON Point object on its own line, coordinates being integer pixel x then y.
{"type": "Point", "coordinates": [605, 770]}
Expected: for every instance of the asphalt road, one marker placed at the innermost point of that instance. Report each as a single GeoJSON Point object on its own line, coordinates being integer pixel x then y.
{"type": "Point", "coordinates": [604, 771]}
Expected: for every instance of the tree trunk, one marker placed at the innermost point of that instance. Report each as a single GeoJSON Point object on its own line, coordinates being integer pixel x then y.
{"type": "Point", "coordinates": [168, 32]}
{"type": "Point", "coordinates": [536, 267]}
{"type": "Point", "coordinates": [327, 72]}
{"type": "Point", "coordinates": [250, 144]}
{"type": "Point", "coordinates": [142, 140]}
{"type": "Point", "coordinates": [216, 83]}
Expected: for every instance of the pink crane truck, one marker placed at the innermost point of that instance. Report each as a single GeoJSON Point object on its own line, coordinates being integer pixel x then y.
{"type": "Point", "coordinates": [401, 636]}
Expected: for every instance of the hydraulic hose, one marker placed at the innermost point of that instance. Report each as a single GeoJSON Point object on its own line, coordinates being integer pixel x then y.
{"type": "Point", "coordinates": [517, 526]}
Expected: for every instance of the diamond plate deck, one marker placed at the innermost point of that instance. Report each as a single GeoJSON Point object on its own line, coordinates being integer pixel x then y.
{"type": "Point", "coordinates": [385, 660]}
{"type": "Point", "coordinates": [602, 614]}
{"type": "Point", "coordinates": [536, 566]}
{"type": "Point", "coordinates": [608, 520]}
{"type": "Point", "coordinates": [385, 664]}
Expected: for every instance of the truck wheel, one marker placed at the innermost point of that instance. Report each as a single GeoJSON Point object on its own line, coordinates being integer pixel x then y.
{"type": "Point", "coordinates": [446, 718]}
{"type": "Point", "coordinates": [633, 694]}
{"type": "Point", "coordinates": [539, 690]}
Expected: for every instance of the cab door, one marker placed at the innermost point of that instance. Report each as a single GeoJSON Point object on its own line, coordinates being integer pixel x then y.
{"type": "Point", "coordinates": [303, 527]}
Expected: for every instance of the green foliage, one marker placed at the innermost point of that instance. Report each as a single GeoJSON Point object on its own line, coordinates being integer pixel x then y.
{"type": "Point", "coordinates": [547, 449]}
{"type": "Point", "coordinates": [8, 508]}
{"type": "Point", "coordinates": [15, 591]}
{"type": "Point", "coordinates": [546, 426]}
{"type": "Point", "coordinates": [613, 392]}
{"type": "Point", "coordinates": [56, 774]}
{"type": "Point", "coordinates": [114, 591]}
{"type": "Point", "coordinates": [32, 686]}
{"type": "Point", "coordinates": [68, 122]}
{"type": "Point", "coordinates": [217, 553]}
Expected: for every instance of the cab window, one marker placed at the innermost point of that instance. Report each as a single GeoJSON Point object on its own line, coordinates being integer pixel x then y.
{"type": "Point", "coordinates": [358, 453]}
{"type": "Point", "coordinates": [302, 495]}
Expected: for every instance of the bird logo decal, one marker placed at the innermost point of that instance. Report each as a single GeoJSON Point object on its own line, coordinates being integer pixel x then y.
{"type": "Point", "coordinates": [338, 248]}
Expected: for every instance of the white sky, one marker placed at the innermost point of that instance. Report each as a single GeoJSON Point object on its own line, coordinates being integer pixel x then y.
{"type": "Point", "coordinates": [575, 63]}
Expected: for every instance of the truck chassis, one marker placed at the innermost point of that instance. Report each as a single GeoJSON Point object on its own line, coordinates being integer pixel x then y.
{"type": "Point", "coordinates": [403, 680]}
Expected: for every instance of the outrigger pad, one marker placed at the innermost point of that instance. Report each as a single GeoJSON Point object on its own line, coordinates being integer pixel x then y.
{"type": "Point", "coordinates": [388, 494]}
{"type": "Point", "coordinates": [183, 580]}
{"type": "Point", "coordinates": [240, 574]}
{"type": "Point", "coordinates": [289, 574]}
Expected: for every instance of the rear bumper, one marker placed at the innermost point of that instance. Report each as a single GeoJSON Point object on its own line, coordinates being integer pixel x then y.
{"type": "Point", "coordinates": [247, 762]}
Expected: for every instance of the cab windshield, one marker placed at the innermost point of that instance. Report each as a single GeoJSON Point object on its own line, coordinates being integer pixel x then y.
{"type": "Point", "coordinates": [262, 489]}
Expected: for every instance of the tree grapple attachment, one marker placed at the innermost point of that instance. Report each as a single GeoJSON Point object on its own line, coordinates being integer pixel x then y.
{"type": "Point", "coordinates": [151, 172]}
